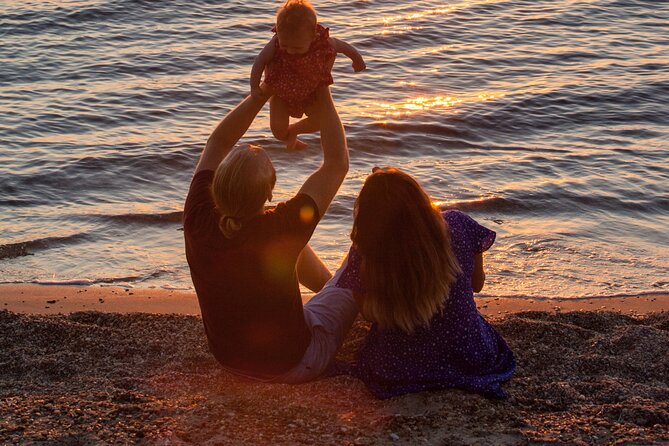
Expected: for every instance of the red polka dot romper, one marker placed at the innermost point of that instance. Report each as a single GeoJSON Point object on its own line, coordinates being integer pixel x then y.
{"type": "Point", "coordinates": [295, 77]}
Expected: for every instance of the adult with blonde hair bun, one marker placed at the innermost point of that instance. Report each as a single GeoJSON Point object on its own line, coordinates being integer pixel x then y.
{"type": "Point", "coordinates": [246, 261]}
{"type": "Point", "coordinates": [414, 271]}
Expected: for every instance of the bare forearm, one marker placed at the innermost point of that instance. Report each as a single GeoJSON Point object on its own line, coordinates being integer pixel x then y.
{"type": "Point", "coordinates": [352, 53]}
{"type": "Point", "coordinates": [333, 138]}
{"type": "Point", "coordinates": [229, 131]}
{"type": "Point", "coordinates": [261, 61]}
{"type": "Point", "coordinates": [323, 184]}
{"type": "Point", "coordinates": [311, 271]}
{"type": "Point", "coordinates": [478, 274]}
{"type": "Point", "coordinates": [349, 51]}
{"type": "Point", "coordinates": [256, 72]}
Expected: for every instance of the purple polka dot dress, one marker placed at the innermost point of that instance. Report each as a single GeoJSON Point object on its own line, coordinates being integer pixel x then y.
{"type": "Point", "coordinates": [459, 349]}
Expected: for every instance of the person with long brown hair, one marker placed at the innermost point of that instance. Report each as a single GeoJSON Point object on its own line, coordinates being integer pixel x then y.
{"type": "Point", "coordinates": [414, 270]}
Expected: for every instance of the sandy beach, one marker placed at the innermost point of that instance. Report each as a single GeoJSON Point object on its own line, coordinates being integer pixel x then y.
{"type": "Point", "coordinates": [589, 372]}
{"type": "Point", "coordinates": [55, 299]}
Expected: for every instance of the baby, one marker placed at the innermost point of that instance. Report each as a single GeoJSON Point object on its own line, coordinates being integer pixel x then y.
{"type": "Point", "coordinates": [296, 61]}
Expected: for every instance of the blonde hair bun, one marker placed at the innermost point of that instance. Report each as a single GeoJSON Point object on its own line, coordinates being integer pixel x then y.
{"type": "Point", "coordinates": [243, 182]}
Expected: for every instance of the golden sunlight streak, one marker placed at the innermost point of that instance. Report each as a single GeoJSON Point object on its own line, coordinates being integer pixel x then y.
{"type": "Point", "coordinates": [440, 10]}
{"type": "Point", "coordinates": [419, 15]}
{"type": "Point", "coordinates": [410, 106]}
{"type": "Point", "coordinates": [401, 30]}
{"type": "Point", "coordinates": [450, 203]}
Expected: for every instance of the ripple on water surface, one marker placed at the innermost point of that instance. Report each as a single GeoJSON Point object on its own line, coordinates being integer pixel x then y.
{"type": "Point", "coordinates": [542, 120]}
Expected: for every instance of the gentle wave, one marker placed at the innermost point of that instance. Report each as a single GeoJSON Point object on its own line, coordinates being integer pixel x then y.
{"type": "Point", "coordinates": [12, 250]}
{"type": "Point", "coordinates": [89, 177]}
{"type": "Point", "coordinates": [568, 107]}
{"type": "Point", "coordinates": [127, 281]}
{"type": "Point", "coordinates": [30, 247]}
{"type": "Point", "coordinates": [489, 205]}
{"type": "Point", "coordinates": [140, 219]}
{"type": "Point", "coordinates": [559, 201]}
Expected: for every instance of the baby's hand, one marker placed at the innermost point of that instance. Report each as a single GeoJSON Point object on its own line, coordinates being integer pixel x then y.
{"type": "Point", "coordinates": [359, 65]}
{"type": "Point", "coordinates": [257, 92]}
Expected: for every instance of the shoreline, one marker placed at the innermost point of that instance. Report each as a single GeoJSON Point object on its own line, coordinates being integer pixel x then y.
{"type": "Point", "coordinates": [65, 299]}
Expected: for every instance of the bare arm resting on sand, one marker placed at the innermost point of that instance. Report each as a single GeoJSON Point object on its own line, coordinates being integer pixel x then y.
{"type": "Point", "coordinates": [228, 132]}
{"type": "Point", "coordinates": [349, 51]}
{"type": "Point", "coordinates": [478, 275]}
{"type": "Point", "coordinates": [262, 60]}
{"type": "Point", "coordinates": [323, 184]}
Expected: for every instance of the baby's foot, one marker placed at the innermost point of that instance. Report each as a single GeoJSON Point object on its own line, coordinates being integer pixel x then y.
{"type": "Point", "coordinates": [292, 143]}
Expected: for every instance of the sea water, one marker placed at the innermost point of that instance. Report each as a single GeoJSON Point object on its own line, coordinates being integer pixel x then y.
{"type": "Point", "coordinates": [547, 121]}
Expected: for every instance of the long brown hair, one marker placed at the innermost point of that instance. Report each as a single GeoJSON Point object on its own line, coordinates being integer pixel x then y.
{"type": "Point", "coordinates": [408, 264]}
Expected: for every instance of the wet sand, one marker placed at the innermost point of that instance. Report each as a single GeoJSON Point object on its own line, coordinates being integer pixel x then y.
{"type": "Point", "coordinates": [586, 375]}
{"type": "Point", "coordinates": [55, 299]}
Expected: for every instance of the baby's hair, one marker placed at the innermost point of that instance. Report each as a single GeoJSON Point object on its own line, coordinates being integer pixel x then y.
{"type": "Point", "coordinates": [296, 15]}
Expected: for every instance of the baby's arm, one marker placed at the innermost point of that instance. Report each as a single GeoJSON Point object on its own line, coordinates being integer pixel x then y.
{"type": "Point", "coordinates": [349, 51]}
{"type": "Point", "coordinates": [265, 57]}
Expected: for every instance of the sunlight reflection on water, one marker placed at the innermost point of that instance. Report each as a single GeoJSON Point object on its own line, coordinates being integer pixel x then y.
{"type": "Point", "coordinates": [542, 120]}
{"type": "Point", "coordinates": [410, 106]}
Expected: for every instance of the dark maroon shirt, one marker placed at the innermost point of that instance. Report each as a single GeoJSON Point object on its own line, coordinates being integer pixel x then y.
{"type": "Point", "coordinates": [247, 286]}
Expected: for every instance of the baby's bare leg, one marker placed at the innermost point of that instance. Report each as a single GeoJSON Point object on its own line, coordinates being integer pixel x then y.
{"type": "Point", "coordinates": [306, 125]}
{"type": "Point", "coordinates": [309, 124]}
{"type": "Point", "coordinates": [279, 122]}
{"type": "Point", "coordinates": [278, 118]}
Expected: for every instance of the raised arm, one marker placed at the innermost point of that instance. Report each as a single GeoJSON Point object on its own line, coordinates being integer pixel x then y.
{"type": "Point", "coordinates": [228, 132]}
{"type": "Point", "coordinates": [349, 51]}
{"type": "Point", "coordinates": [264, 58]}
{"type": "Point", "coordinates": [323, 184]}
